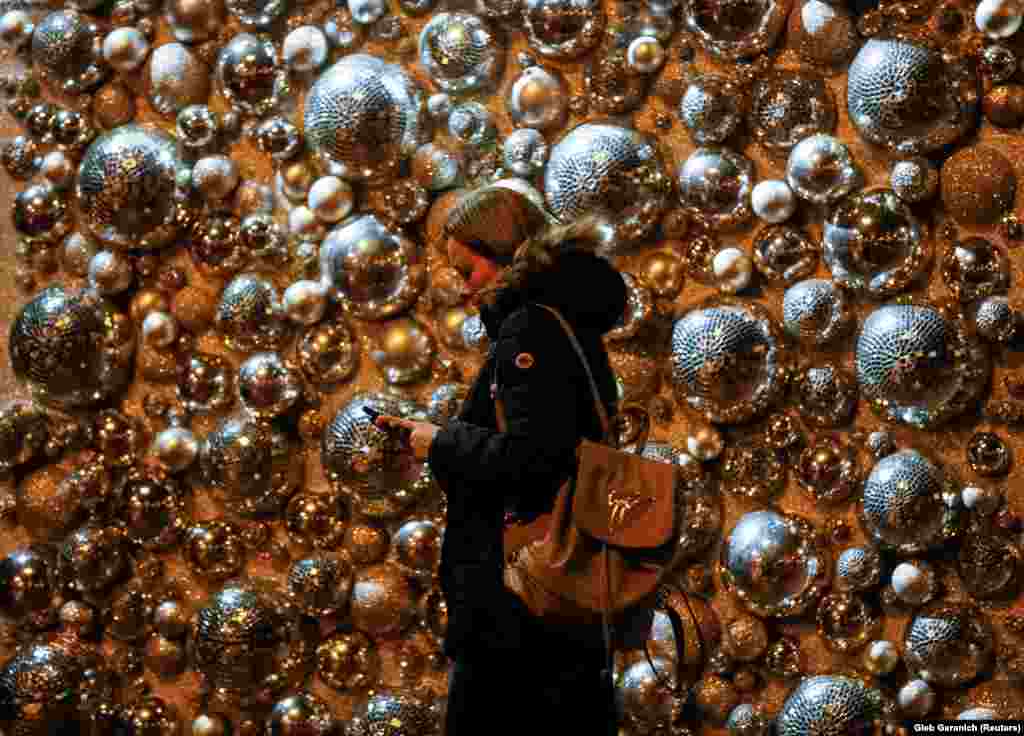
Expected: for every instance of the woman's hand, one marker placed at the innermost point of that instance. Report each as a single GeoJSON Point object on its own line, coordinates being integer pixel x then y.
{"type": "Point", "coordinates": [421, 434]}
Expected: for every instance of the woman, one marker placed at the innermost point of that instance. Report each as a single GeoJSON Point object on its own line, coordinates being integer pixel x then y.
{"type": "Point", "coordinates": [510, 670]}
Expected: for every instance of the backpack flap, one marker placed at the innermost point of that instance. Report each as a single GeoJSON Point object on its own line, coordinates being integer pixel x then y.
{"type": "Point", "coordinates": [623, 499]}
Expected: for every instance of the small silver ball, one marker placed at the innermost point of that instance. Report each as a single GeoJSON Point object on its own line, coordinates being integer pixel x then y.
{"type": "Point", "coordinates": [645, 55]}
{"type": "Point", "coordinates": [16, 27]}
{"type": "Point", "coordinates": [705, 443]}
{"type": "Point", "coordinates": [984, 501]}
{"type": "Point", "coordinates": [110, 272]}
{"type": "Point", "coordinates": [733, 270]}
{"type": "Point", "coordinates": [913, 583]}
{"type": "Point", "coordinates": [366, 12]}
{"type": "Point", "coordinates": [215, 177]}
{"type": "Point", "coordinates": [267, 386]}
{"type": "Point", "coordinates": [159, 329]}
{"type": "Point", "coordinates": [58, 169]}
{"type": "Point", "coordinates": [978, 714]}
{"type": "Point", "coordinates": [302, 224]}
{"type": "Point", "coordinates": [773, 201]}
{"type": "Point", "coordinates": [304, 302]}
{"type": "Point", "coordinates": [526, 152]}
{"type": "Point", "coordinates": [881, 657]}
{"type": "Point", "coordinates": [193, 21]}
{"type": "Point", "coordinates": [125, 49]}
{"type": "Point", "coordinates": [176, 447]}
{"type": "Point", "coordinates": [330, 199]}
{"type": "Point", "coordinates": [916, 699]}
{"type": "Point", "coordinates": [995, 319]}
{"type": "Point", "coordinates": [305, 49]}
{"type": "Point", "coordinates": [439, 106]}
{"type": "Point", "coordinates": [914, 179]}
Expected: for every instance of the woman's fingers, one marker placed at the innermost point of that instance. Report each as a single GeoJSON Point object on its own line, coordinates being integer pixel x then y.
{"type": "Point", "coordinates": [385, 420]}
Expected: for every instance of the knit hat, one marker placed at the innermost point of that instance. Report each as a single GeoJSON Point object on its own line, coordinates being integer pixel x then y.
{"type": "Point", "coordinates": [496, 219]}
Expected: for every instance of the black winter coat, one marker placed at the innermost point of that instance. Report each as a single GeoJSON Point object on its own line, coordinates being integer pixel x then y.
{"type": "Point", "coordinates": [549, 408]}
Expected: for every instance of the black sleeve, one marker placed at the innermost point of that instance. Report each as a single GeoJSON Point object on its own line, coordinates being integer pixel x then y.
{"type": "Point", "coordinates": [535, 455]}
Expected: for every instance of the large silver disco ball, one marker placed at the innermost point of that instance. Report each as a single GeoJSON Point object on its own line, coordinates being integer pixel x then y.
{"type": "Point", "coordinates": [917, 366]}
{"type": "Point", "coordinates": [362, 118]}
{"type": "Point", "coordinates": [910, 504]}
{"type": "Point", "coordinates": [829, 705]}
{"type": "Point", "coordinates": [774, 564]}
{"type": "Point", "coordinates": [726, 361]}
{"type": "Point", "coordinates": [903, 95]}
{"type": "Point", "coordinates": [126, 186]}
{"type": "Point", "coordinates": [608, 170]}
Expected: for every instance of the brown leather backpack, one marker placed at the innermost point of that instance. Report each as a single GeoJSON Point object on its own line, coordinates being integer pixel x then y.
{"type": "Point", "coordinates": [602, 552]}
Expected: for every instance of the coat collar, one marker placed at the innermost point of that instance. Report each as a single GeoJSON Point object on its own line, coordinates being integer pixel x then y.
{"type": "Point", "coordinates": [585, 288]}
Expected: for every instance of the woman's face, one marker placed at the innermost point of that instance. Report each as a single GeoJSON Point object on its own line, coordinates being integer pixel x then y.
{"type": "Point", "coordinates": [477, 270]}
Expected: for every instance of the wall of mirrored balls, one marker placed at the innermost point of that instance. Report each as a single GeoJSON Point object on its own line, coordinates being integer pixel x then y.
{"type": "Point", "coordinates": [227, 237]}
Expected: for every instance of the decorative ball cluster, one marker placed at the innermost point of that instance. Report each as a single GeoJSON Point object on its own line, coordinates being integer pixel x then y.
{"type": "Point", "coordinates": [229, 240]}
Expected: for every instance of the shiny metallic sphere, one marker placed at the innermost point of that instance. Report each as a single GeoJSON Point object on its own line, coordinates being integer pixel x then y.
{"type": "Point", "coordinates": [305, 50]}
{"type": "Point", "coordinates": [39, 688]}
{"type": "Point", "coordinates": [710, 109]}
{"type": "Point", "coordinates": [304, 302]}
{"type": "Point", "coordinates": [459, 52]}
{"type": "Point", "coordinates": [873, 243]}
{"type": "Point", "coordinates": [537, 99]}
{"type": "Point", "coordinates": [393, 713]}
{"type": "Point", "coordinates": [645, 701]}
{"type": "Point", "coordinates": [110, 273]}
{"type": "Point", "coordinates": [829, 704]}
{"type": "Point", "coordinates": [909, 504]}
{"type": "Point", "coordinates": [342, 118]}
{"type": "Point", "coordinates": [525, 152]}
{"type": "Point", "coordinates": [215, 177]}
{"type": "Point", "coordinates": [560, 30]}
{"type": "Point", "coordinates": [726, 361]}
{"type": "Point", "coordinates": [248, 74]}
{"type": "Point", "coordinates": [821, 170]}
{"type": "Point", "coordinates": [251, 463]}
{"type": "Point", "coordinates": [176, 447]}
{"type": "Point", "coordinates": [126, 185]}
{"type": "Point", "coordinates": [715, 186]}
{"type": "Point", "coordinates": [994, 319]}
{"type": "Point", "coordinates": [787, 107]}
{"type": "Point", "coordinates": [858, 569]}
{"type": "Point", "coordinates": [239, 634]}
{"type": "Point", "coordinates": [249, 314]}
{"type": "Point", "coordinates": [330, 199]}
{"type": "Point", "coordinates": [948, 645]}
{"type": "Point", "coordinates": [736, 29]}
{"type": "Point", "coordinates": [917, 367]}
{"type": "Point", "coordinates": [301, 715]}
{"type": "Point", "coordinates": [267, 387]}
{"type": "Point", "coordinates": [194, 21]}
{"type": "Point", "coordinates": [914, 179]}
{"type": "Point", "coordinates": [177, 79]}
{"type": "Point", "coordinates": [817, 311]}
{"type": "Point", "coordinates": [609, 171]}
{"type": "Point", "coordinates": [902, 95]}
{"type": "Point", "coordinates": [774, 564]}
{"type": "Point", "coordinates": [71, 349]}
{"type": "Point", "coordinates": [375, 271]}
{"type": "Point", "coordinates": [321, 585]}
{"type": "Point", "coordinates": [65, 46]}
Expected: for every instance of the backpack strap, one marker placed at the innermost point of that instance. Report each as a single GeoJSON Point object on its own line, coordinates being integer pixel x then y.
{"type": "Point", "coordinates": [609, 436]}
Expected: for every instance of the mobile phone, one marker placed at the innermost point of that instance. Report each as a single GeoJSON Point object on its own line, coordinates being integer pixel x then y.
{"type": "Point", "coordinates": [372, 413]}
